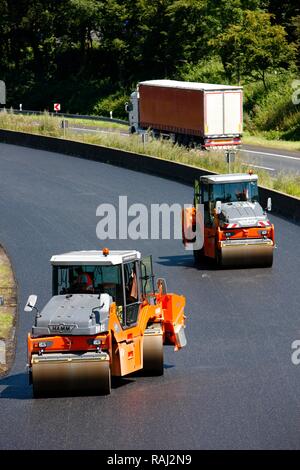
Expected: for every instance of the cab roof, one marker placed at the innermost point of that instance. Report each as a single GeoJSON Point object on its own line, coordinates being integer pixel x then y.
{"type": "Point", "coordinates": [94, 257]}
{"type": "Point", "coordinates": [230, 178]}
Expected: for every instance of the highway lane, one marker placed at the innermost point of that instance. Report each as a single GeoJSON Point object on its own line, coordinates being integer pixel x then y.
{"type": "Point", "coordinates": [270, 159]}
{"type": "Point", "coordinates": [234, 386]}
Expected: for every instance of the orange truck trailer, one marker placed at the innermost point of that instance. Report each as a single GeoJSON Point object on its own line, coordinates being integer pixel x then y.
{"type": "Point", "coordinates": [236, 229]}
{"type": "Point", "coordinates": [188, 113]}
{"type": "Point", "coordinates": [105, 318]}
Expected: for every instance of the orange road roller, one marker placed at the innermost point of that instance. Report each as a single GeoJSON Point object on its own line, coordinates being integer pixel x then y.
{"type": "Point", "coordinates": [236, 230]}
{"type": "Point", "coordinates": [106, 318]}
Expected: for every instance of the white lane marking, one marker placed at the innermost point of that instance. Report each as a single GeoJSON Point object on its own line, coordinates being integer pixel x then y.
{"type": "Point", "coordinates": [270, 154]}
{"type": "Point", "coordinates": [258, 166]}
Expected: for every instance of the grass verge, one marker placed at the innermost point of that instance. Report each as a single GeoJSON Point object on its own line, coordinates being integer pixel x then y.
{"type": "Point", "coordinates": [8, 307]}
{"type": "Point", "coordinates": [262, 140]}
{"type": "Point", "coordinates": [212, 161]}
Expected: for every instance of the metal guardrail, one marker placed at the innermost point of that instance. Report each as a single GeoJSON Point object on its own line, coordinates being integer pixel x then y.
{"type": "Point", "coordinates": [70, 116]}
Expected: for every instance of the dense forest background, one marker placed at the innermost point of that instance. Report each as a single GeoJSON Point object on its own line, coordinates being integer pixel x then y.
{"type": "Point", "coordinates": [89, 54]}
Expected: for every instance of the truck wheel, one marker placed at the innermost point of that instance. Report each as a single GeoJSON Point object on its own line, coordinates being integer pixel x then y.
{"type": "Point", "coordinates": [153, 355]}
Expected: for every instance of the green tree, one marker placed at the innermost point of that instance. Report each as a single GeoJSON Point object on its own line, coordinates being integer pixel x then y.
{"type": "Point", "coordinates": [285, 12]}
{"type": "Point", "coordinates": [80, 51]}
{"type": "Point", "coordinates": [4, 34]}
{"type": "Point", "coordinates": [296, 24]}
{"type": "Point", "coordinates": [254, 47]}
{"type": "Point", "coordinates": [187, 27]}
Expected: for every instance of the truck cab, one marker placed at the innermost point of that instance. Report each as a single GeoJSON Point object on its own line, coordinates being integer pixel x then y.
{"type": "Point", "coordinates": [132, 108]}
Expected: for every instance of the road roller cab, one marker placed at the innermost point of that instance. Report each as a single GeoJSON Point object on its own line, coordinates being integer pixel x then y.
{"type": "Point", "coordinates": [106, 318]}
{"type": "Point", "coordinates": [237, 230]}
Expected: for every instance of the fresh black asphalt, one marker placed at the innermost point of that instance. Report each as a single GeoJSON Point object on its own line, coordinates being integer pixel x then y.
{"type": "Point", "coordinates": [234, 386]}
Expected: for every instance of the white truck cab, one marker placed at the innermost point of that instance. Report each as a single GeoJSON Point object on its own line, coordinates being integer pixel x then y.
{"type": "Point", "coordinates": [133, 112]}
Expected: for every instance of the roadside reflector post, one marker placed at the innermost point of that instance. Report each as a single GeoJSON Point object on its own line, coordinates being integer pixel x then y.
{"type": "Point", "coordinates": [229, 158]}
{"type": "Point", "coordinates": [2, 352]}
{"type": "Point", "coordinates": [64, 125]}
{"type": "Point", "coordinates": [2, 92]}
{"type": "Point", "coordinates": [144, 138]}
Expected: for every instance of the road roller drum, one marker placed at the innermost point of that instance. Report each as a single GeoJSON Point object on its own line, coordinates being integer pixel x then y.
{"type": "Point", "coordinates": [56, 374]}
{"type": "Point", "coordinates": [247, 254]}
{"type": "Point", "coordinates": [153, 354]}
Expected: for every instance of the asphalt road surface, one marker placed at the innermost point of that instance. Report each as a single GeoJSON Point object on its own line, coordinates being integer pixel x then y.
{"type": "Point", "coordinates": [234, 386]}
{"type": "Point", "coordinates": [270, 159]}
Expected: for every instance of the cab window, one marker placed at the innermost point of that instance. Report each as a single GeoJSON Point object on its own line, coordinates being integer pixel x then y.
{"type": "Point", "coordinates": [131, 293]}
{"type": "Point", "coordinates": [147, 276]}
{"type": "Point", "coordinates": [207, 205]}
{"type": "Point", "coordinates": [234, 192]}
{"type": "Point", "coordinates": [81, 279]}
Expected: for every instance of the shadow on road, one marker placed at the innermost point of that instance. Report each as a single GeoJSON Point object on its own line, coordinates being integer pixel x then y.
{"type": "Point", "coordinates": [118, 382]}
{"type": "Point", "coordinates": [206, 264]}
{"type": "Point", "coordinates": [187, 261]}
{"type": "Point", "coordinates": [143, 373]}
{"type": "Point", "coordinates": [16, 387]}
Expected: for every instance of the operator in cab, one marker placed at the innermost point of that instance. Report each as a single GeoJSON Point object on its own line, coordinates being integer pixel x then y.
{"type": "Point", "coordinates": [82, 282]}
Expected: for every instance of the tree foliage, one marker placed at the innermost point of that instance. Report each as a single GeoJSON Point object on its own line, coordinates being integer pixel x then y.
{"type": "Point", "coordinates": [80, 51]}
{"type": "Point", "coordinates": [253, 46]}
